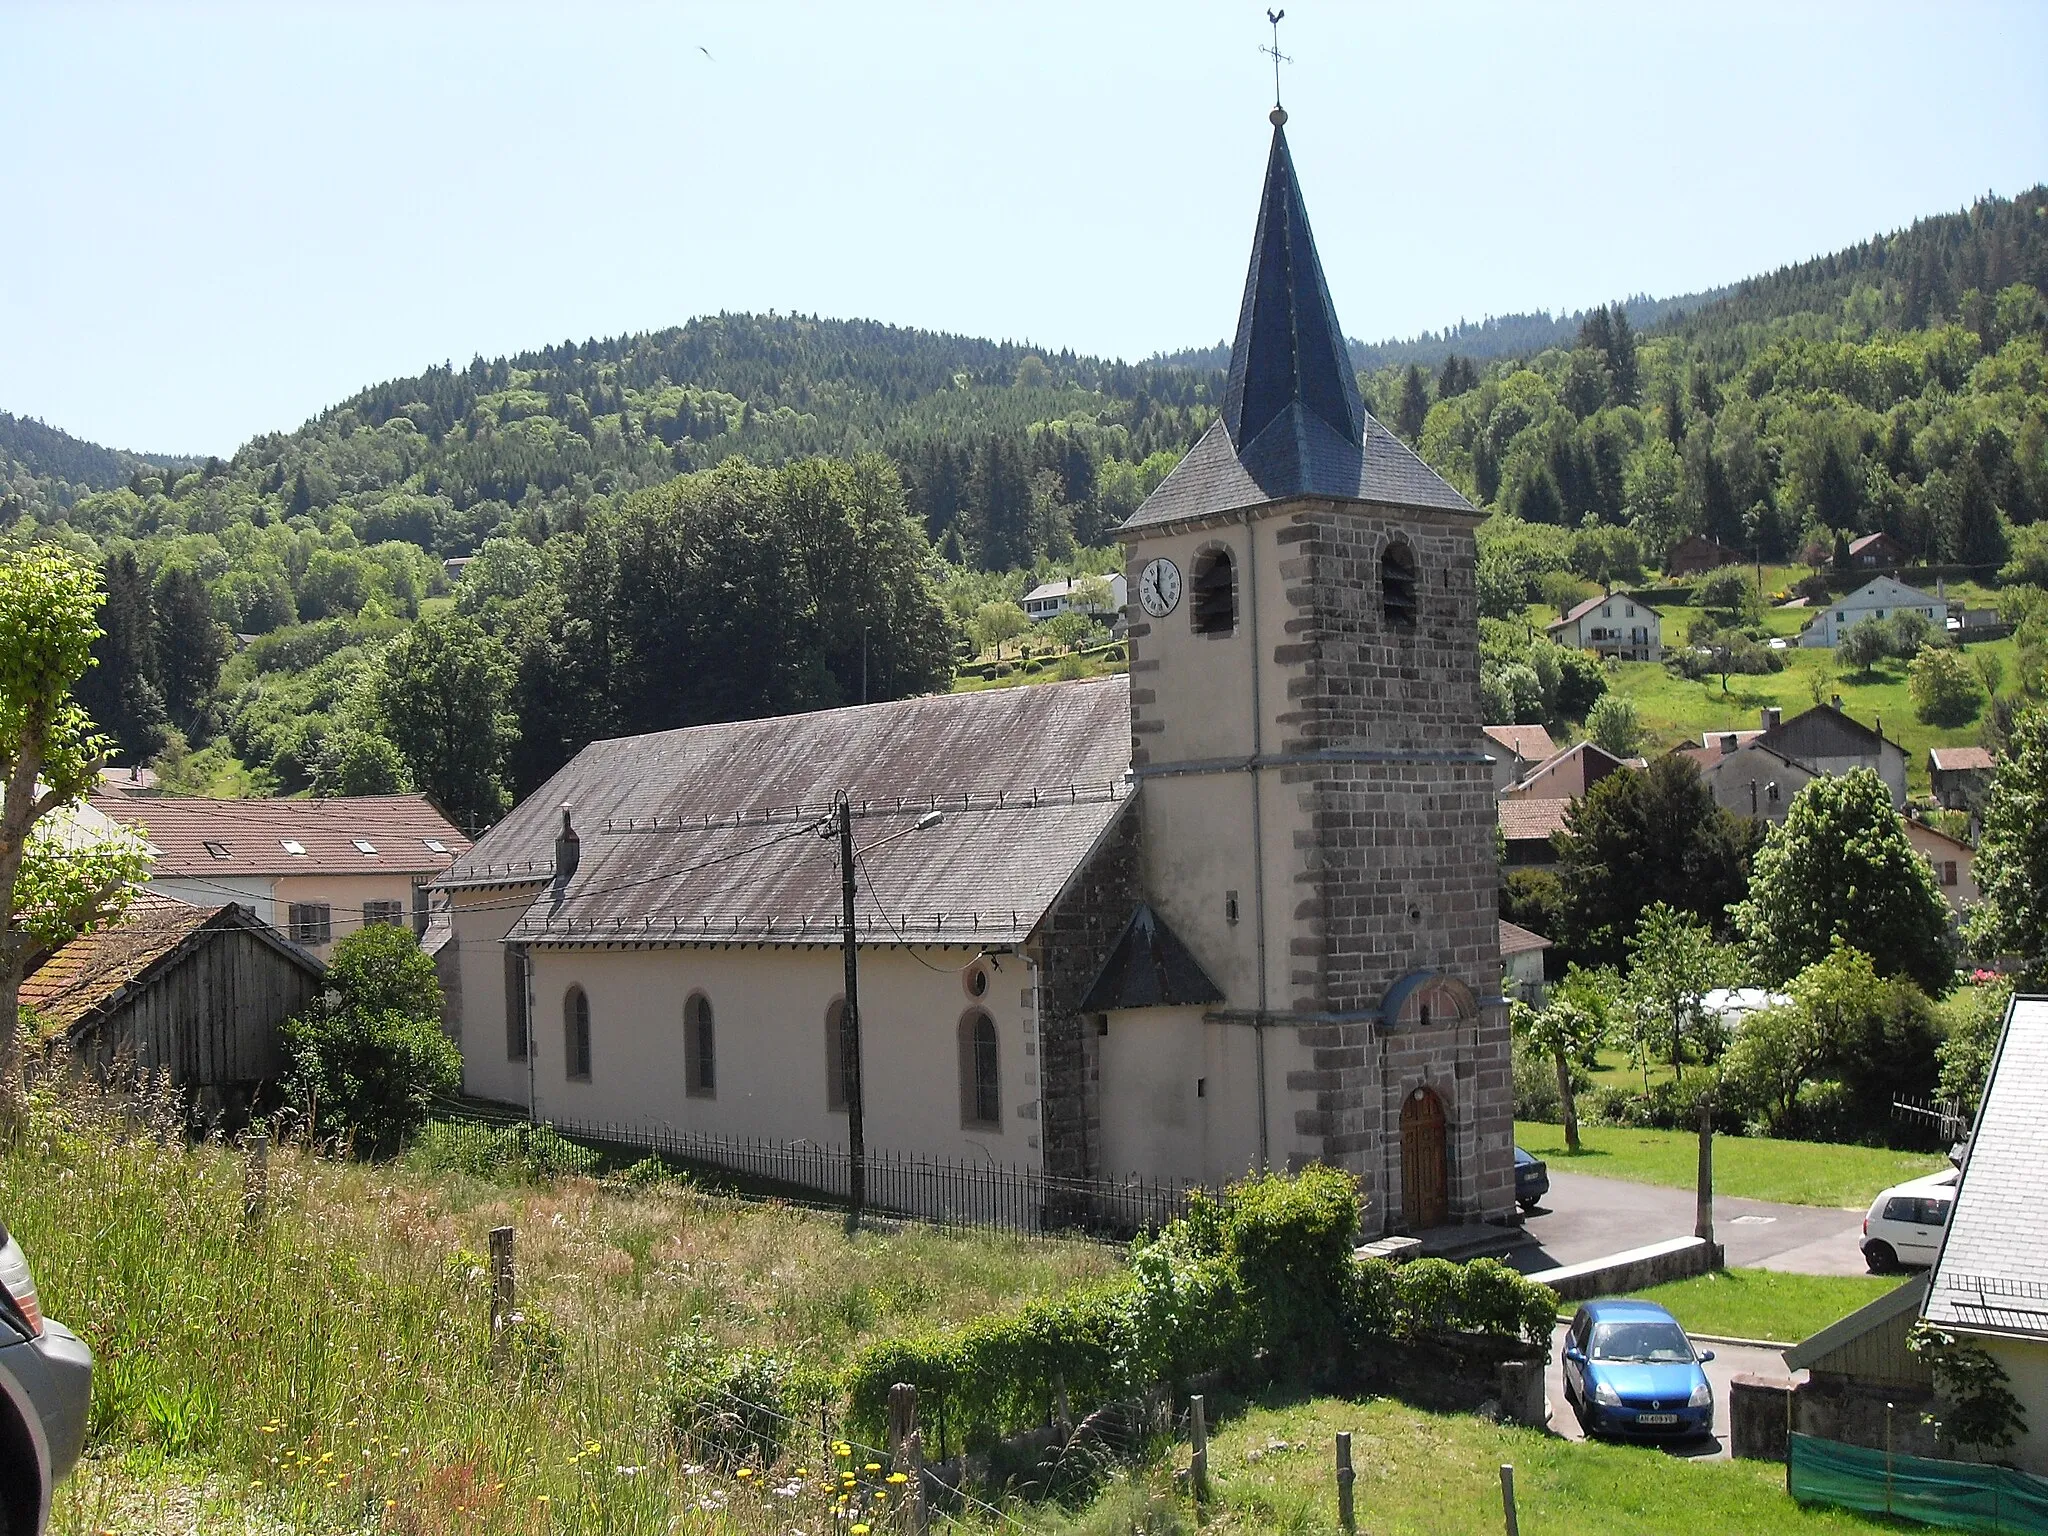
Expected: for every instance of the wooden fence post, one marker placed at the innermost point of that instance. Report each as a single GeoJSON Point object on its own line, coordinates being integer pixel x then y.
{"type": "Point", "coordinates": [1346, 1516]}
{"type": "Point", "coordinates": [1062, 1412]}
{"type": "Point", "coordinates": [504, 1280]}
{"type": "Point", "coordinates": [902, 1420]}
{"type": "Point", "coordinates": [1198, 1463]}
{"type": "Point", "coordinates": [256, 1180]}
{"type": "Point", "coordinates": [1507, 1497]}
{"type": "Point", "coordinates": [913, 1455]}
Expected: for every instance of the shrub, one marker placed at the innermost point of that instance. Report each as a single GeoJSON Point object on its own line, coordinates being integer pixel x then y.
{"type": "Point", "coordinates": [529, 1153]}
{"type": "Point", "coordinates": [1287, 1242]}
{"type": "Point", "coordinates": [1615, 726]}
{"type": "Point", "coordinates": [732, 1407]}
{"type": "Point", "coordinates": [370, 1075]}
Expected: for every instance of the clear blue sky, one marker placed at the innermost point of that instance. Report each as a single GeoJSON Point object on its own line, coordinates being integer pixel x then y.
{"type": "Point", "coordinates": [219, 219]}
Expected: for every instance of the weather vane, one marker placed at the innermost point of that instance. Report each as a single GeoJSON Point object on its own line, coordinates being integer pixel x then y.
{"type": "Point", "coordinates": [1279, 58]}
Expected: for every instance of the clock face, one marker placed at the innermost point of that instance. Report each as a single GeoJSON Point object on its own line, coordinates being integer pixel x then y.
{"type": "Point", "coordinates": [1159, 588]}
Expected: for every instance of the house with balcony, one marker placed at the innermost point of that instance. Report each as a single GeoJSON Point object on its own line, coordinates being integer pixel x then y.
{"type": "Point", "coordinates": [1616, 626]}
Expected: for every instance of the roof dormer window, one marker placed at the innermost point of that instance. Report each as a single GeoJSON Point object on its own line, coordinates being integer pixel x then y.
{"type": "Point", "coordinates": [293, 847]}
{"type": "Point", "coordinates": [218, 850]}
{"type": "Point", "coordinates": [434, 845]}
{"type": "Point", "coordinates": [364, 845]}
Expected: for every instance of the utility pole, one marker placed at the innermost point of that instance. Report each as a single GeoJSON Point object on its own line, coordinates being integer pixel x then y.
{"type": "Point", "coordinates": [849, 1027]}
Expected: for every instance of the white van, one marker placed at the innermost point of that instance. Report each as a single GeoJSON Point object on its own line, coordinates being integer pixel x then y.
{"type": "Point", "coordinates": [1905, 1223]}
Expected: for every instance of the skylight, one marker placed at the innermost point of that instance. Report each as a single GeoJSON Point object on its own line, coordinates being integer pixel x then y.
{"type": "Point", "coordinates": [434, 845]}
{"type": "Point", "coordinates": [218, 850]}
{"type": "Point", "coordinates": [364, 845]}
{"type": "Point", "coordinates": [293, 846]}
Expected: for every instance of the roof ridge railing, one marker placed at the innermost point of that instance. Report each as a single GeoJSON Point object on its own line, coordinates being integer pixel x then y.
{"type": "Point", "coordinates": [825, 925]}
{"type": "Point", "coordinates": [1996, 1285]}
{"type": "Point", "coordinates": [988, 800]}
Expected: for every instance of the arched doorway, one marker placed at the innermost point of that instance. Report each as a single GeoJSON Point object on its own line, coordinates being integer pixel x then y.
{"type": "Point", "coordinates": [1425, 1173]}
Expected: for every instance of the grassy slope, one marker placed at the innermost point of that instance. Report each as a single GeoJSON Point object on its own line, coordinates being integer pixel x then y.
{"type": "Point", "coordinates": [1766, 1303]}
{"type": "Point", "coordinates": [353, 1327]}
{"type": "Point", "coordinates": [1751, 1167]}
{"type": "Point", "coordinates": [1440, 1474]}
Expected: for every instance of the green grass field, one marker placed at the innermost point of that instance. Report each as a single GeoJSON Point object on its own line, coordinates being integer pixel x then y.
{"type": "Point", "coordinates": [1272, 1469]}
{"type": "Point", "coordinates": [332, 1369]}
{"type": "Point", "coordinates": [1748, 1167]}
{"type": "Point", "coordinates": [1765, 1303]}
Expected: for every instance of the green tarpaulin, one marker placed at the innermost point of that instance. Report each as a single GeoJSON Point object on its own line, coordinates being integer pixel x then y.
{"type": "Point", "coordinates": [1952, 1493]}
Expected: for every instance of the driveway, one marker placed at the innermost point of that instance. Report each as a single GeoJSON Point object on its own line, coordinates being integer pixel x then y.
{"type": "Point", "coordinates": [1730, 1361]}
{"type": "Point", "coordinates": [1584, 1217]}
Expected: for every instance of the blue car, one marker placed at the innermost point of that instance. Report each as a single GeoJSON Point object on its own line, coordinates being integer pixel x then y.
{"type": "Point", "coordinates": [1630, 1370]}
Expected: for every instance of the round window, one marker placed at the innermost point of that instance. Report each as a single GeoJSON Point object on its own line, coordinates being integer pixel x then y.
{"type": "Point", "coordinates": [976, 980]}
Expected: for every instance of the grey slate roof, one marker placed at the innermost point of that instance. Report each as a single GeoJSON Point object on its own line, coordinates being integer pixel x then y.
{"type": "Point", "coordinates": [707, 834]}
{"type": "Point", "coordinates": [1292, 423]}
{"type": "Point", "coordinates": [1992, 1273]}
{"type": "Point", "coordinates": [1149, 968]}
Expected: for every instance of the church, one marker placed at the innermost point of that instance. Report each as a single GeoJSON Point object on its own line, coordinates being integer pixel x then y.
{"type": "Point", "coordinates": [1235, 911]}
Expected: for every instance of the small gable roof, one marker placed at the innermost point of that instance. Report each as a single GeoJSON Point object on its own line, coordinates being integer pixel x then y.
{"type": "Point", "coordinates": [1989, 1275]}
{"type": "Point", "coordinates": [1888, 590]}
{"type": "Point", "coordinates": [1517, 940]}
{"type": "Point", "coordinates": [1896, 1302]}
{"type": "Point", "coordinates": [1531, 743]}
{"type": "Point", "coordinates": [94, 973]}
{"type": "Point", "coordinates": [1149, 968]}
{"type": "Point", "coordinates": [1580, 610]}
{"type": "Point", "coordinates": [1878, 540]}
{"type": "Point", "coordinates": [1824, 731]}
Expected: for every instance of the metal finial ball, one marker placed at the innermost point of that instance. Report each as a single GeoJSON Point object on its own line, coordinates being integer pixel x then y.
{"type": "Point", "coordinates": [1277, 117]}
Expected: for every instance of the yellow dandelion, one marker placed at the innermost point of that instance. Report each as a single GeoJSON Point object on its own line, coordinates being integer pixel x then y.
{"type": "Point", "coordinates": [874, 1466]}
{"type": "Point", "coordinates": [860, 1530]}
{"type": "Point", "coordinates": [899, 1477]}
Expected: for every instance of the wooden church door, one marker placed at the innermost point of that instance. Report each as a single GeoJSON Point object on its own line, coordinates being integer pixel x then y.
{"type": "Point", "coordinates": [1425, 1175]}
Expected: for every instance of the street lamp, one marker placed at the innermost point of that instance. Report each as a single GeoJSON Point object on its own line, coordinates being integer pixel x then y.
{"type": "Point", "coordinates": [849, 1027]}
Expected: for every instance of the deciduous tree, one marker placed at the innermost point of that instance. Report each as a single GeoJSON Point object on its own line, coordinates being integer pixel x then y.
{"type": "Point", "coordinates": [2011, 868]}
{"type": "Point", "coordinates": [441, 694]}
{"type": "Point", "coordinates": [1839, 870]}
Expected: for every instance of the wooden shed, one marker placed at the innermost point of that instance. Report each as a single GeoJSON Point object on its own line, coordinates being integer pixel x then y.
{"type": "Point", "coordinates": [195, 992]}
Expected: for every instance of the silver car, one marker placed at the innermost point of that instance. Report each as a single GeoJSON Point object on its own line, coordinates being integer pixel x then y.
{"type": "Point", "coordinates": [45, 1392]}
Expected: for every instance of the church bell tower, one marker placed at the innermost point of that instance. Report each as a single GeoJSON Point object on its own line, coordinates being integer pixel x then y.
{"type": "Point", "coordinates": [1317, 812]}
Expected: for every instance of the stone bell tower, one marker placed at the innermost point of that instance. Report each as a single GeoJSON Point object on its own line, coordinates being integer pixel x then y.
{"type": "Point", "coordinates": [1317, 812]}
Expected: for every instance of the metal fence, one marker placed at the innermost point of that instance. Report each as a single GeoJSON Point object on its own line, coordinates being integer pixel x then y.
{"type": "Point", "coordinates": [952, 1192]}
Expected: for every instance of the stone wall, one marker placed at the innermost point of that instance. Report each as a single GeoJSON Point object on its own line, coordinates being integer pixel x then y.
{"type": "Point", "coordinates": [1071, 946]}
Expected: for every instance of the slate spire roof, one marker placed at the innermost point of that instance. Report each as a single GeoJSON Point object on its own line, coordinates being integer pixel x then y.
{"type": "Point", "coordinates": [1289, 347]}
{"type": "Point", "coordinates": [1292, 424]}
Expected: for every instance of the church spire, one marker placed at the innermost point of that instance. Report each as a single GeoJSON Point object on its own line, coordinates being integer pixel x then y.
{"type": "Point", "coordinates": [1289, 349]}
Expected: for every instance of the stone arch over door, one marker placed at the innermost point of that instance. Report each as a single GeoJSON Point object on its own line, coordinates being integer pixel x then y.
{"type": "Point", "coordinates": [1425, 1160]}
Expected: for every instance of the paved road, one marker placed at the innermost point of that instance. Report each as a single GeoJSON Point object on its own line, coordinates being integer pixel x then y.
{"type": "Point", "coordinates": [1730, 1360]}
{"type": "Point", "coordinates": [1585, 1217]}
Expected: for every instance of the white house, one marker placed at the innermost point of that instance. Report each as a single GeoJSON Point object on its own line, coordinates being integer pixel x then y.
{"type": "Point", "coordinates": [1050, 599]}
{"type": "Point", "coordinates": [1879, 598]}
{"type": "Point", "coordinates": [1616, 625]}
{"type": "Point", "coordinates": [1988, 1285]}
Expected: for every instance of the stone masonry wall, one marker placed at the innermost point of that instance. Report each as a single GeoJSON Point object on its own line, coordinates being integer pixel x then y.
{"type": "Point", "coordinates": [1074, 942]}
{"type": "Point", "coordinates": [1395, 864]}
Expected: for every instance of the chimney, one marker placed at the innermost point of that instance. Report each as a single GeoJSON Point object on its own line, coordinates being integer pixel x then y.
{"type": "Point", "coordinates": [1728, 743]}
{"type": "Point", "coordinates": [568, 849]}
{"type": "Point", "coordinates": [1772, 715]}
{"type": "Point", "coordinates": [1835, 702]}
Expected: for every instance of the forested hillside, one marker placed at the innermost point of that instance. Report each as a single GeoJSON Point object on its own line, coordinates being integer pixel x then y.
{"type": "Point", "coordinates": [890, 483]}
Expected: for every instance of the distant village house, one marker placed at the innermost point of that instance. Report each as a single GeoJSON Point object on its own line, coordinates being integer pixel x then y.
{"type": "Point", "coordinates": [1617, 626]}
{"type": "Point", "coordinates": [1874, 600]}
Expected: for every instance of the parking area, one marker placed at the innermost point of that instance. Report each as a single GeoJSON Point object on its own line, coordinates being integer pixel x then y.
{"type": "Point", "coordinates": [1586, 1218]}
{"type": "Point", "coordinates": [1730, 1361]}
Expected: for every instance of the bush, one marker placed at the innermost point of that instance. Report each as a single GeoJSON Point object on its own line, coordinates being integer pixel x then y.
{"type": "Point", "coordinates": [1615, 726]}
{"type": "Point", "coordinates": [528, 1153]}
{"type": "Point", "coordinates": [731, 1408]}
{"type": "Point", "coordinates": [369, 1057]}
{"type": "Point", "coordinates": [1670, 1105]}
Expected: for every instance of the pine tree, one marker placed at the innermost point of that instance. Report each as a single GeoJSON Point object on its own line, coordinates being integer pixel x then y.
{"type": "Point", "coordinates": [1838, 494]}
{"type": "Point", "coordinates": [1980, 537]}
{"type": "Point", "coordinates": [189, 645]}
{"type": "Point", "coordinates": [1674, 412]}
{"type": "Point", "coordinates": [1720, 517]}
{"type": "Point", "coordinates": [1621, 358]}
{"type": "Point", "coordinates": [302, 498]}
{"type": "Point", "coordinates": [119, 690]}
{"type": "Point", "coordinates": [1413, 410]}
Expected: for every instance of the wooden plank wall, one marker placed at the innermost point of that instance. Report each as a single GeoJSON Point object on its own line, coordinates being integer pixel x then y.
{"type": "Point", "coordinates": [211, 1018]}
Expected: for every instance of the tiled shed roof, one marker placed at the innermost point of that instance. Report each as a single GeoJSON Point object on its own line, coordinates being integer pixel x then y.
{"type": "Point", "coordinates": [1531, 743]}
{"type": "Point", "coordinates": [1531, 820]}
{"type": "Point", "coordinates": [1992, 1273]}
{"type": "Point", "coordinates": [708, 833]}
{"type": "Point", "coordinates": [92, 971]}
{"type": "Point", "coordinates": [206, 838]}
{"type": "Point", "coordinates": [1960, 759]}
{"type": "Point", "coordinates": [1517, 940]}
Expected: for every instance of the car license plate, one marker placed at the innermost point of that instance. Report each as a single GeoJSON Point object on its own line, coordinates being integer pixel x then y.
{"type": "Point", "coordinates": [1656, 1418]}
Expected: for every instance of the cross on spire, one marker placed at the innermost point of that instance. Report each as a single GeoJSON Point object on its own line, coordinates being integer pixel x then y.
{"type": "Point", "coordinates": [1279, 58]}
